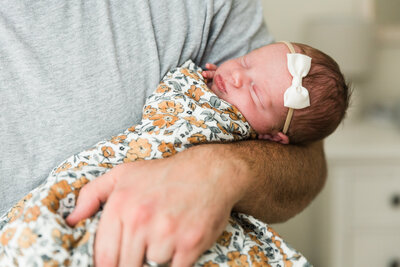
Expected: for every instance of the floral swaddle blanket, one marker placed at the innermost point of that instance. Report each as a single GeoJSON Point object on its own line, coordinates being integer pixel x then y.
{"type": "Point", "coordinates": [181, 113]}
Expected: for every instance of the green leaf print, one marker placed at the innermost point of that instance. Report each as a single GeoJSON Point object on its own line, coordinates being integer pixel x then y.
{"type": "Point", "coordinates": [151, 128]}
{"type": "Point", "coordinates": [215, 102]}
{"type": "Point", "coordinates": [206, 112]}
{"type": "Point", "coordinates": [176, 86]}
{"type": "Point", "coordinates": [215, 129]}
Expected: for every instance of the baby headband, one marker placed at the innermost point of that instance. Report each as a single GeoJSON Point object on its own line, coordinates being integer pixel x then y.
{"type": "Point", "coordinates": [296, 96]}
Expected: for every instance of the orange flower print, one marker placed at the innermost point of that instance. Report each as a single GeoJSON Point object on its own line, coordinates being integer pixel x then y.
{"type": "Point", "coordinates": [225, 239]}
{"type": "Point", "coordinates": [162, 88]}
{"type": "Point", "coordinates": [139, 149]}
{"type": "Point", "coordinates": [193, 121]}
{"type": "Point", "coordinates": [132, 129]}
{"type": "Point", "coordinates": [148, 111]}
{"type": "Point", "coordinates": [32, 214]}
{"type": "Point", "coordinates": [80, 182]}
{"type": "Point", "coordinates": [192, 106]}
{"type": "Point", "coordinates": [108, 152]}
{"type": "Point", "coordinates": [255, 239]}
{"type": "Point", "coordinates": [194, 92]}
{"type": "Point", "coordinates": [197, 138]}
{"type": "Point", "coordinates": [190, 74]}
{"type": "Point", "coordinates": [50, 263]}
{"type": "Point", "coordinates": [207, 105]}
{"type": "Point", "coordinates": [80, 165]}
{"type": "Point", "coordinates": [278, 243]}
{"type": "Point", "coordinates": [210, 264]}
{"type": "Point", "coordinates": [222, 128]}
{"type": "Point", "coordinates": [163, 120]}
{"type": "Point", "coordinates": [61, 189]}
{"type": "Point", "coordinates": [17, 210]}
{"type": "Point", "coordinates": [236, 259]}
{"type": "Point", "coordinates": [234, 114]}
{"type": "Point", "coordinates": [118, 139]}
{"type": "Point", "coordinates": [7, 236]}
{"type": "Point", "coordinates": [65, 166]}
{"type": "Point", "coordinates": [106, 165]}
{"type": "Point", "coordinates": [167, 149]}
{"type": "Point", "coordinates": [257, 257]}
{"type": "Point", "coordinates": [66, 241]}
{"type": "Point", "coordinates": [27, 238]}
{"type": "Point", "coordinates": [15, 213]}
{"type": "Point", "coordinates": [170, 107]}
{"type": "Point", "coordinates": [51, 202]}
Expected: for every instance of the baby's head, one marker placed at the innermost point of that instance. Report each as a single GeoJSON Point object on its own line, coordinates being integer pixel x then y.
{"type": "Point", "coordinates": [256, 84]}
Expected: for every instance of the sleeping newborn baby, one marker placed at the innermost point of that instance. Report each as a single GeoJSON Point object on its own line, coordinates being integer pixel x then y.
{"type": "Point", "coordinates": [249, 97]}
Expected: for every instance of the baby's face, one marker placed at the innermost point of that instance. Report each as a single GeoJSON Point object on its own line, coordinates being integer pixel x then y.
{"type": "Point", "coordinates": [255, 84]}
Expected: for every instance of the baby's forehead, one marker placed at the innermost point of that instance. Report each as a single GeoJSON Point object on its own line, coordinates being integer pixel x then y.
{"type": "Point", "coordinates": [270, 56]}
{"type": "Point", "coordinates": [279, 48]}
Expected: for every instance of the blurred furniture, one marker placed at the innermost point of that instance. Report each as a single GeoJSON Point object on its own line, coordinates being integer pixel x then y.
{"type": "Point", "coordinates": [357, 218]}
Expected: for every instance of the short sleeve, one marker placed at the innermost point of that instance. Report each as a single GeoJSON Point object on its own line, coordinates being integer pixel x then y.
{"type": "Point", "coordinates": [237, 28]}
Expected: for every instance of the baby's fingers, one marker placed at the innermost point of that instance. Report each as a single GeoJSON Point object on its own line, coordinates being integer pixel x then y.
{"type": "Point", "coordinates": [208, 74]}
{"type": "Point", "coordinates": [211, 66]}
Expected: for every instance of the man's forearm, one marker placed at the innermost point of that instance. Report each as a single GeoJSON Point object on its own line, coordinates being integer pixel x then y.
{"type": "Point", "coordinates": [275, 181]}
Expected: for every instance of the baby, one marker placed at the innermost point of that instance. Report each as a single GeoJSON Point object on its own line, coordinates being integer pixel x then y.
{"type": "Point", "coordinates": [183, 112]}
{"type": "Point", "coordinates": [257, 84]}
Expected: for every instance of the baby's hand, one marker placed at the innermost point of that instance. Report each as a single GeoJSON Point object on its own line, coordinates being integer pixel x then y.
{"type": "Point", "coordinates": [209, 73]}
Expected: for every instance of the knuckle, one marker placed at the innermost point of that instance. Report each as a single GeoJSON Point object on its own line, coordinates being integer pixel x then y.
{"type": "Point", "coordinates": [114, 204]}
{"type": "Point", "coordinates": [118, 170]}
{"type": "Point", "coordinates": [166, 226]}
{"type": "Point", "coordinates": [138, 216]}
{"type": "Point", "coordinates": [193, 240]}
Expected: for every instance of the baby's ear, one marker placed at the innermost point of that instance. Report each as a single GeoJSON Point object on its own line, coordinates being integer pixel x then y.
{"type": "Point", "coordinates": [278, 137]}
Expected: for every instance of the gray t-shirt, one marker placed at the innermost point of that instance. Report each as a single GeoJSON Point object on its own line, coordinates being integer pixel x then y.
{"type": "Point", "coordinates": [75, 72]}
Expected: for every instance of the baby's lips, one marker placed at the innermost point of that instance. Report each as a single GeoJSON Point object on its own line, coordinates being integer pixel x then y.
{"type": "Point", "coordinates": [219, 82]}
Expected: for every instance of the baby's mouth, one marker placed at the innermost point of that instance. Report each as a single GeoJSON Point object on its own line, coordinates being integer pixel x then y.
{"type": "Point", "coordinates": [219, 82]}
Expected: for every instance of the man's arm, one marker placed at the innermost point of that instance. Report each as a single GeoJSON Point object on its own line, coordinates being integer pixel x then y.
{"type": "Point", "coordinates": [277, 181]}
{"type": "Point", "coordinates": [269, 181]}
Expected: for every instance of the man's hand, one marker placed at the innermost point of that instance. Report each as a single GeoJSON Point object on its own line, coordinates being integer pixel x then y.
{"type": "Point", "coordinates": [167, 209]}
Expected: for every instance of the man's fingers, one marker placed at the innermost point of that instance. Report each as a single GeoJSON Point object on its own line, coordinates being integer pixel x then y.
{"type": "Point", "coordinates": [108, 238]}
{"type": "Point", "coordinates": [91, 197]}
{"type": "Point", "coordinates": [133, 248]}
{"type": "Point", "coordinates": [160, 247]}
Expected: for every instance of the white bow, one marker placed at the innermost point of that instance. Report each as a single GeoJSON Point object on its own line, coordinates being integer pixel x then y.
{"type": "Point", "coordinates": [296, 96]}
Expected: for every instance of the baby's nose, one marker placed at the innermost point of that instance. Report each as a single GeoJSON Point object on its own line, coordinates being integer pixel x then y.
{"type": "Point", "coordinates": [237, 79]}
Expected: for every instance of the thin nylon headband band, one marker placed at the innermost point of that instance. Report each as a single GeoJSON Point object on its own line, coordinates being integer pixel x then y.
{"type": "Point", "coordinates": [290, 112]}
